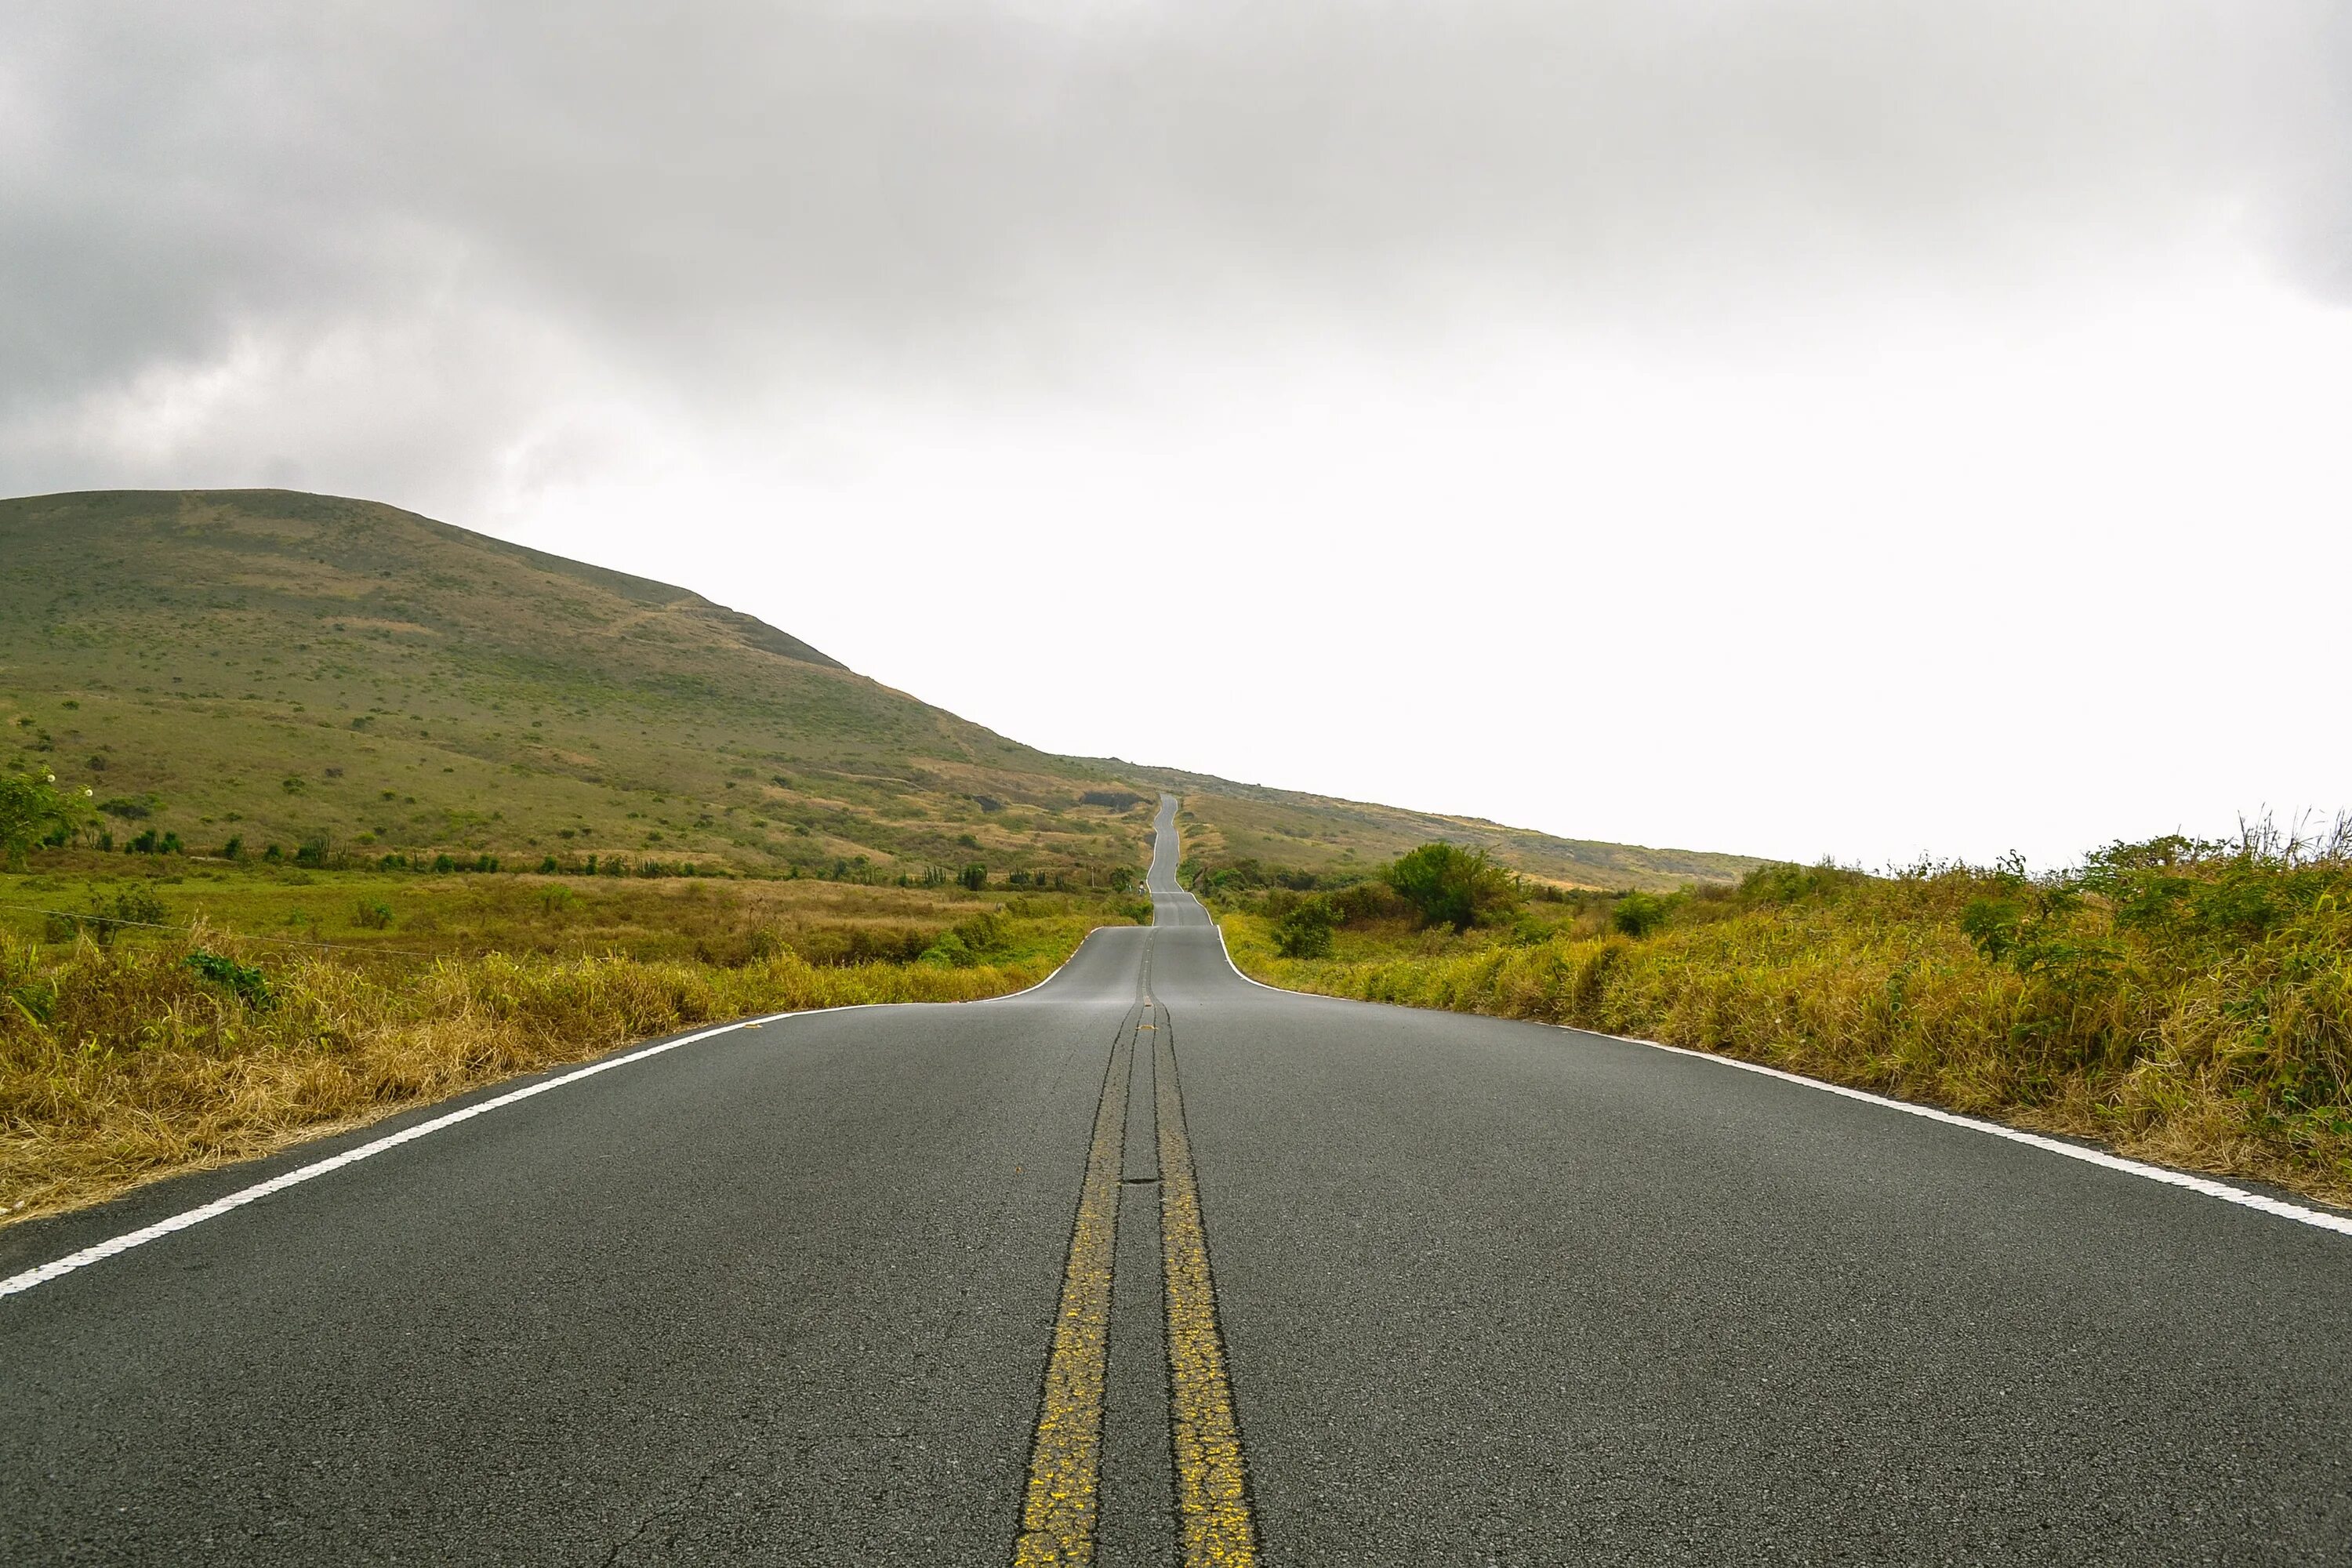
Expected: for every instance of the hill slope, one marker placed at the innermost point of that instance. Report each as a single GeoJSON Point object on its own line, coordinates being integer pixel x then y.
{"type": "Point", "coordinates": [1224, 821]}
{"type": "Point", "coordinates": [281, 668]}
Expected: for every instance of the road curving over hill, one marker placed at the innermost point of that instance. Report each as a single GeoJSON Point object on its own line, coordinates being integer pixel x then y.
{"type": "Point", "coordinates": [1153, 1265]}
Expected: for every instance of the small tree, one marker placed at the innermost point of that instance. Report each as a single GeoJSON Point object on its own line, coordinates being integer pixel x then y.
{"type": "Point", "coordinates": [1449, 885]}
{"type": "Point", "coordinates": [974, 876]}
{"type": "Point", "coordinates": [34, 810]}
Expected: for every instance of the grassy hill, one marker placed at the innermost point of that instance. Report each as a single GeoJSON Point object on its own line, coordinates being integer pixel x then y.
{"type": "Point", "coordinates": [271, 668]}
{"type": "Point", "coordinates": [282, 668]}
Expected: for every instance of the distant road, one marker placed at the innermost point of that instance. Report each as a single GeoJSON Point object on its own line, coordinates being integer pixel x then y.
{"type": "Point", "coordinates": [1156, 1263]}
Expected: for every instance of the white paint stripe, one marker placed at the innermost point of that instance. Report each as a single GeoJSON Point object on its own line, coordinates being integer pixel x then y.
{"type": "Point", "coordinates": [16, 1283]}
{"type": "Point", "coordinates": [1009, 995]}
{"type": "Point", "coordinates": [238, 1199]}
{"type": "Point", "coordinates": [1218, 927]}
{"type": "Point", "coordinates": [2318, 1218]}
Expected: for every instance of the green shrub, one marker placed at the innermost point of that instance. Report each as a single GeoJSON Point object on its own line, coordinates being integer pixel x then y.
{"type": "Point", "coordinates": [948, 953]}
{"type": "Point", "coordinates": [1305, 931]}
{"type": "Point", "coordinates": [32, 810]}
{"type": "Point", "coordinates": [1639, 914]}
{"type": "Point", "coordinates": [1789, 884]}
{"type": "Point", "coordinates": [372, 913]}
{"type": "Point", "coordinates": [244, 979]}
{"type": "Point", "coordinates": [1449, 885]}
{"type": "Point", "coordinates": [974, 876]}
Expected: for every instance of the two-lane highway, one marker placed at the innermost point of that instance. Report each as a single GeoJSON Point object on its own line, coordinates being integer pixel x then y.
{"type": "Point", "coordinates": [1153, 1265]}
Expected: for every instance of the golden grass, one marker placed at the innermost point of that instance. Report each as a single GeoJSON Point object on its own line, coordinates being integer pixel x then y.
{"type": "Point", "coordinates": [120, 1064]}
{"type": "Point", "coordinates": [2230, 1057]}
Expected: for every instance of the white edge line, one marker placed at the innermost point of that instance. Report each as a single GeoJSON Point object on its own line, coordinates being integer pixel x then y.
{"type": "Point", "coordinates": [1219, 927]}
{"type": "Point", "coordinates": [2319, 1219]}
{"type": "Point", "coordinates": [16, 1284]}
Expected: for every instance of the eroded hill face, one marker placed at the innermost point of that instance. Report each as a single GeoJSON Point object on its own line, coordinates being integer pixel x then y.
{"type": "Point", "coordinates": [281, 668]}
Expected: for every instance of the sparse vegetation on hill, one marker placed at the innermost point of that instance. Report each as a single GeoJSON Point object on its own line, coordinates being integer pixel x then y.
{"type": "Point", "coordinates": [2186, 1002]}
{"type": "Point", "coordinates": [226, 671]}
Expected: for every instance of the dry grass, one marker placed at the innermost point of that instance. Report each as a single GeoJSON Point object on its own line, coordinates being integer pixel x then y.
{"type": "Point", "coordinates": [120, 1064]}
{"type": "Point", "coordinates": [2187, 1005]}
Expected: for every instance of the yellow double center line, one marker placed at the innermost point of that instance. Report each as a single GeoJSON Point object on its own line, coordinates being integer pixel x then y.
{"type": "Point", "coordinates": [1213, 1507]}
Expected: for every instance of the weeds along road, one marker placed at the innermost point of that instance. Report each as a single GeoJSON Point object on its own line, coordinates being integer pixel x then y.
{"type": "Point", "coordinates": [1152, 1265]}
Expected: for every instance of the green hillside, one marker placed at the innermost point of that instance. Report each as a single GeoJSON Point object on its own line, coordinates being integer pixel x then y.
{"type": "Point", "coordinates": [283, 668]}
{"type": "Point", "coordinates": [271, 668]}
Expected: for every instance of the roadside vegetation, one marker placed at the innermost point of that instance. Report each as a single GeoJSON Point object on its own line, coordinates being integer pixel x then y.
{"type": "Point", "coordinates": [2186, 1002]}
{"type": "Point", "coordinates": [160, 1014]}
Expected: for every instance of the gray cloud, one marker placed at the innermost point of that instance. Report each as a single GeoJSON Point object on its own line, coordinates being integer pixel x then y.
{"type": "Point", "coordinates": [497, 202]}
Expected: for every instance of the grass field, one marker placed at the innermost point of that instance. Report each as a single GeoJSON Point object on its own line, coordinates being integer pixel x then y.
{"type": "Point", "coordinates": [2186, 1004]}
{"type": "Point", "coordinates": [154, 1024]}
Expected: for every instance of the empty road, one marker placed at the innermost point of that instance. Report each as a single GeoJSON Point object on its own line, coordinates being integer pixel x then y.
{"type": "Point", "coordinates": [1150, 1265]}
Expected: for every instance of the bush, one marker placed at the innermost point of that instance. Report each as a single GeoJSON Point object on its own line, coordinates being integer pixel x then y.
{"type": "Point", "coordinates": [372, 913]}
{"type": "Point", "coordinates": [251, 984]}
{"type": "Point", "coordinates": [1789, 884]}
{"type": "Point", "coordinates": [107, 918]}
{"type": "Point", "coordinates": [948, 953]}
{"type": "Point", "coordinates": [1305, 931]}
{"type": "Point", "coordinates": [1449, 885]}
{"type": "Point", "coordinates": [1639, 914]}
{"type": "Point", "coordinates": [1365, 903]}
{"type": "Point", "coordinates": [974, 876]}
{"type": "Point", "coordinates": [32, 809]}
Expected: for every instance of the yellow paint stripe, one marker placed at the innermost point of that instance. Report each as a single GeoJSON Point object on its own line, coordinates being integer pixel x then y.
{"type": "Point", "coordinates": [1213, 1504]}
{"type": "Point", "coordinates": [1057, 1514]}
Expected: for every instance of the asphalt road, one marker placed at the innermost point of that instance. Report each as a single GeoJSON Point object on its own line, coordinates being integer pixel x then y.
{"type": "Point", "coordinates": [842, 1289]}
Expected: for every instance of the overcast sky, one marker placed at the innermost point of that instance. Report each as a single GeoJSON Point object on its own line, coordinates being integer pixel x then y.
{"type": "Point", "coordinates": [1865, 429]}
